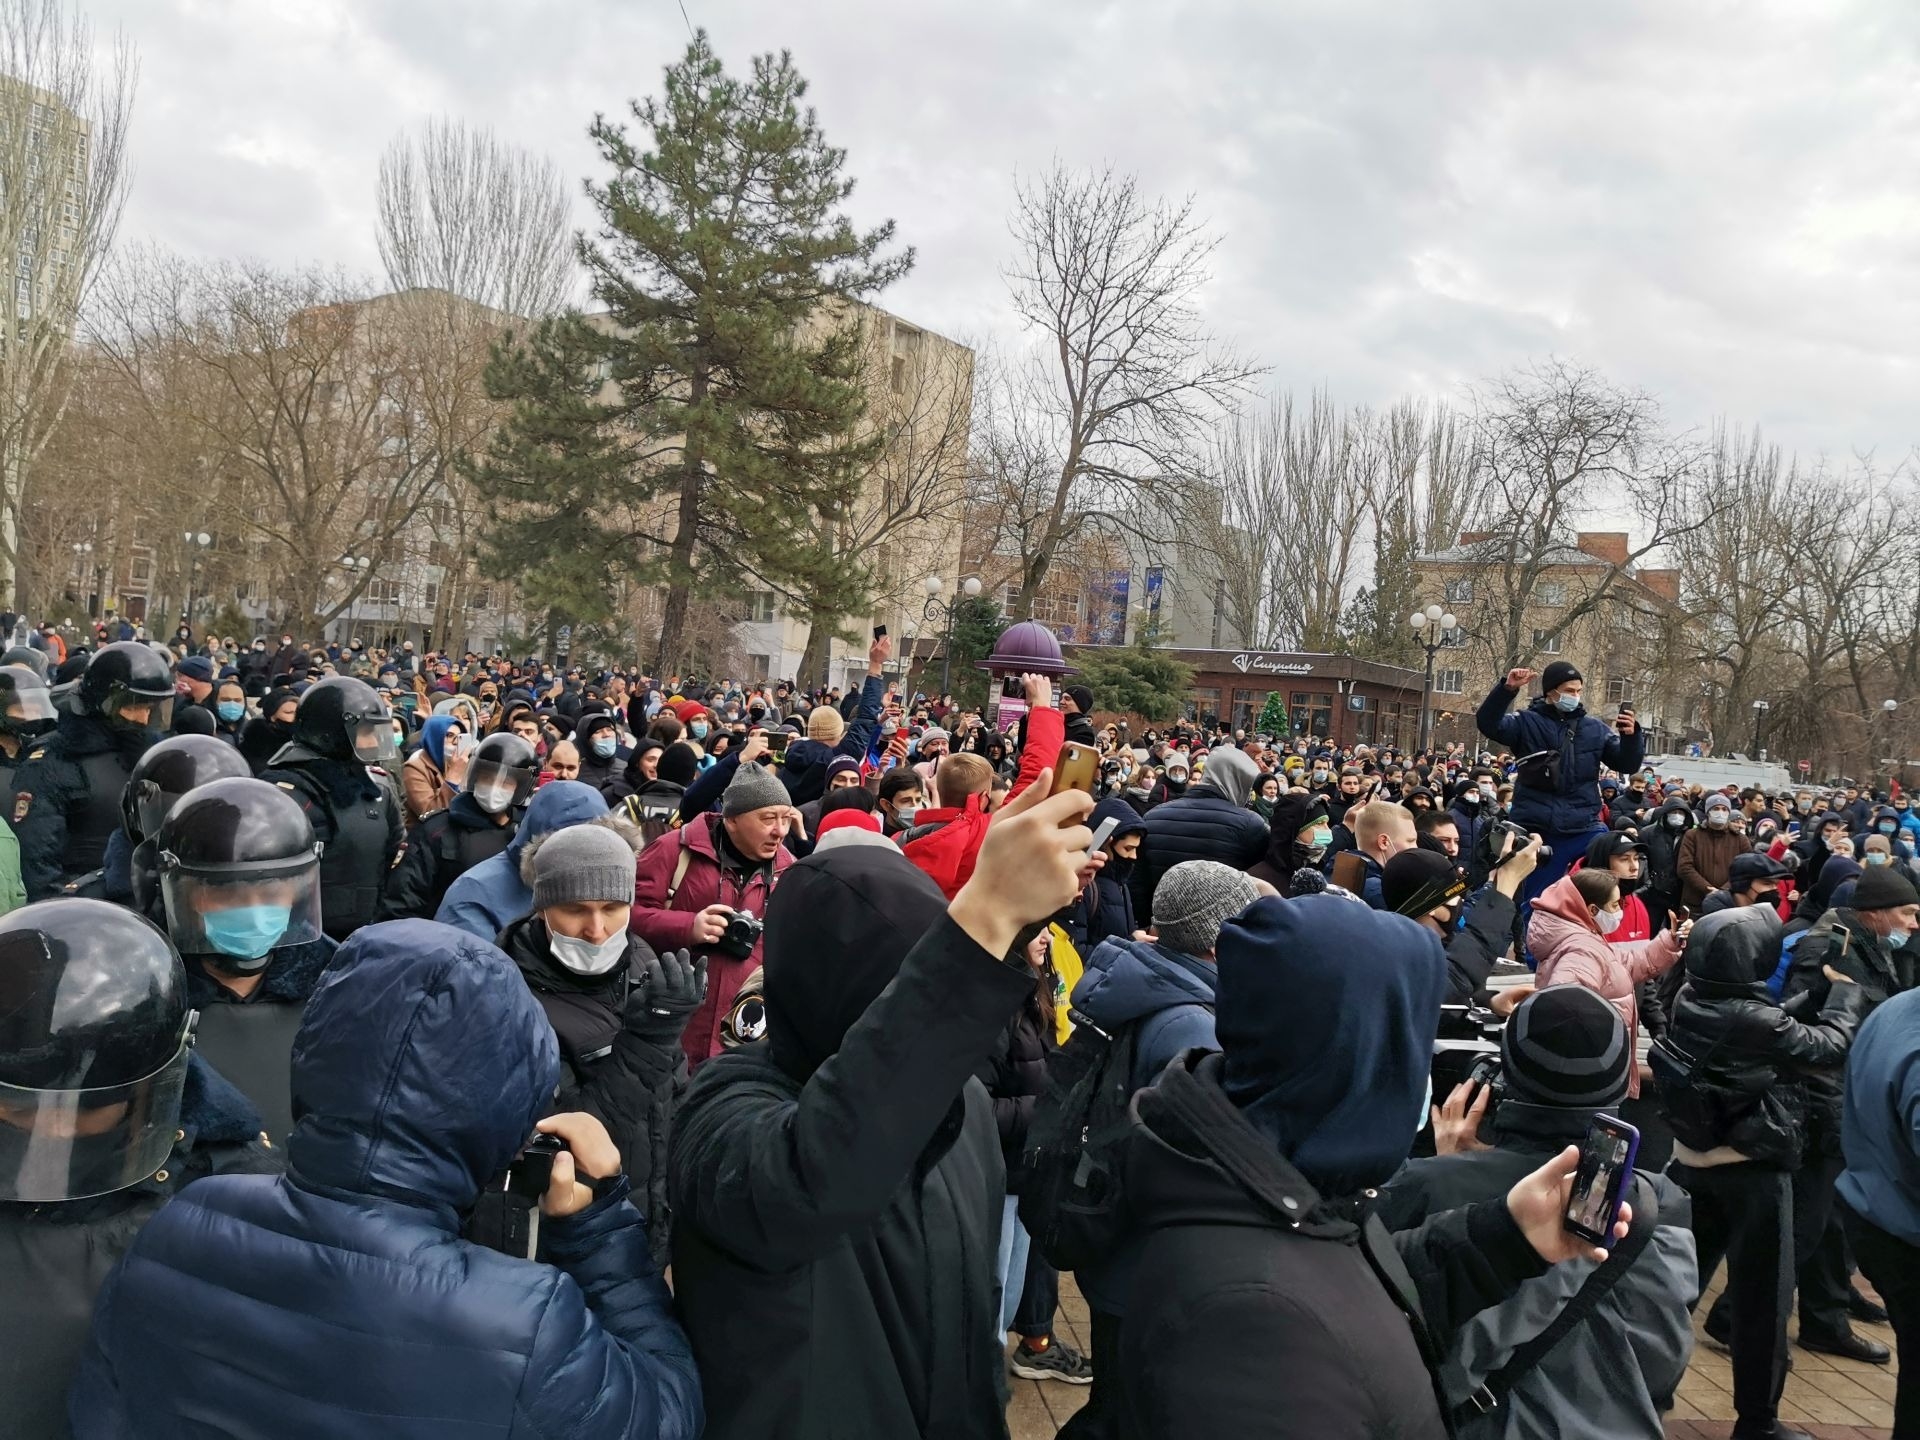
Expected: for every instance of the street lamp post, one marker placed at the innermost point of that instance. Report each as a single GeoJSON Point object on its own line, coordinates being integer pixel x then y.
{"type": "Point", "coordinates": [83, 561]}
{"type": "Point", "coordinates": [1431, 627]}
{"type": "Point", "coordinates": [197, 542]}
{"type": "Point", "coordinates": [1887, 707]}
{"type": "Point", "coordinates": [359, 564]}
{"type": "Point", "coordinates": [1760, 708]}
{"type": "Point", "coordinates": [941, 612]}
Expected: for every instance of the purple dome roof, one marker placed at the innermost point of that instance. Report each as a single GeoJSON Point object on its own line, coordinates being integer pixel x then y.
{"type": "Point", "coordinates": [1028, 646]}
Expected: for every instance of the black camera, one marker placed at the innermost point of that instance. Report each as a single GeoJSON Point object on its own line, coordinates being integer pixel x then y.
{"type": "Point", "coordinates": [532, 1173]}
{"type": "Point", "coordinates": [740, 936]}
{"type": "Point", "coordinates": [1492, 842]}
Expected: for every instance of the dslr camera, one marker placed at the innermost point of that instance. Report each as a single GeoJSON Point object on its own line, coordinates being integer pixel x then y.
{"type": "Point", "coordinates": [740, 936]}
{"type": "Point", "coordinates": [1492, 842]}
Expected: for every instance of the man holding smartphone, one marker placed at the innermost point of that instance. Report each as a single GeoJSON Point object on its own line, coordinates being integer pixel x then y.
{"type": "Point", "coordinates": [1556, 791]}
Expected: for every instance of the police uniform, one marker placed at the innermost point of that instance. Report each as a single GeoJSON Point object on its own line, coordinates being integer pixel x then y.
{"type": "Point", "coordinates": [66, 803]}
{"type": "Point", "coordinates": [356, 818]}
{"type": "Point", "coordinates": [440, 849]}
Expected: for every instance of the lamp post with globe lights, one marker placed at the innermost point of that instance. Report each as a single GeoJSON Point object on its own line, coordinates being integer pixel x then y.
{"type": "Point", "coordinates": [940, 611]}
{"type": "Point", "coordinates": [1760, 709]}
{"type": "Point", "coordinates": [1887, 707]}
{"type": "Point", "coordinates": [1431, 627]}
{"type": "Point", "coordinates": [197, 543]}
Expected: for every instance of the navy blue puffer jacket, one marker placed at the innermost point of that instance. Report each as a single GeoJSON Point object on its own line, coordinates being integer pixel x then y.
{"type": "Point", "coordinates": [339, 1300]}
{"type": "Point", "coordinates": [1586, 741]}
{"type": "Point", "coordinates": [1203, 824]}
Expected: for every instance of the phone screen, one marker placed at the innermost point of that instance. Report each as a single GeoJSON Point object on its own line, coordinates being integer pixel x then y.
{"type": "Point", "coordinates": [1606, 1165]}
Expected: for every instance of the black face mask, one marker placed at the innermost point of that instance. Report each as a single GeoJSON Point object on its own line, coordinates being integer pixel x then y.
{"type": "Point", "coordinates": [1767, 897]}
{"type": "Point", "coordinates": [1629, 884]}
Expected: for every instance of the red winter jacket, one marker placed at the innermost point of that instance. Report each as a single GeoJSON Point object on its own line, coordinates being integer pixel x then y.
{"type": "Point", "coordinates": [949, 853]}
{"type": "Point", "coordinates": [668, 925]}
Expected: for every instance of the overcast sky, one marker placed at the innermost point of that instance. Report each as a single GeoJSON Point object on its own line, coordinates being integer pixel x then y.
{"type": "Point", "coordinates": [1717, 201]}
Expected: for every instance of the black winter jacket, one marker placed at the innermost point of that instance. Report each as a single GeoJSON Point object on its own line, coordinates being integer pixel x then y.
{"type": "Point", "coordinates": [1016, 1078]}
{"type": "Point", "coordinates": [1279, 1314]}
{"type": "Point", "coordinates": [440, 849]}
{"type": "Point", "coordinates": [1201, 825]}
{"type": "Point", "coordinates": [1748, 1057]}
{"type": "Point", "coordinates": [623, 1066]}
{"type": "Point", "coordinates": [1840, 940]}
{"type": "Point", "coordinates": [833, 1242]}
{"type": "Point", "coordinates": [66, 801]}
{"type": "Point", "coordinates": [1663, 850]}
{"type": "Point", "coordinates": [1484, 937]}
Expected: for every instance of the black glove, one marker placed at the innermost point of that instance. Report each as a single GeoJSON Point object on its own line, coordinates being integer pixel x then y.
{"type": "Point", "coordinates": [675, 985]}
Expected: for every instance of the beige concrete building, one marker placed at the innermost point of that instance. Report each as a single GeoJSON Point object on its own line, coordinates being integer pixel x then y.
{"type": "Point", "coordinates": [1623, 642]}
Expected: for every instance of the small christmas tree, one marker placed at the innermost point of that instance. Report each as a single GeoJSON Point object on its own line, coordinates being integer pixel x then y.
{"type": "Point", "coordinates": [1273, 717]}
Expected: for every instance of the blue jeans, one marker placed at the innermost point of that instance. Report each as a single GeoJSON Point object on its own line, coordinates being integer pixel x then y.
{"type": "Point", "coordinates": [1011, 1261]}
{"type": "Point", "coordinates": [1563, 849]}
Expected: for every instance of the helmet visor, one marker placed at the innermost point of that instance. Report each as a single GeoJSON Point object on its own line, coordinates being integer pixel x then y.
{"type": "Point", "coordinates": [374, 742]}
{"type": "Point", "coordinates": [241, 913]}
{"type": "Point", "coordinates": [497, 788]}
{"type": "Point", "coordinates": [29, 712]}
{"type": "Point", "coordinates": [135, 711]}
{"type": "Point", "coordinates": [72, 1144]}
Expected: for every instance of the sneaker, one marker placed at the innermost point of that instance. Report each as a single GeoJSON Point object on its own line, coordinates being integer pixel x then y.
{"type": "Point", "coordinates": [1059, 1361]}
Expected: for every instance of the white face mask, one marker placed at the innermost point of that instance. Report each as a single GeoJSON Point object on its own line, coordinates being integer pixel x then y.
{"type": "Point", "coordinates": [494, 798]}
{"type": "Point", "coordinates": [1717, 819]}
{"type": "Point", "coordinates": [1608, 921]}
{"type": "Point", "coordinates": [583, 957]}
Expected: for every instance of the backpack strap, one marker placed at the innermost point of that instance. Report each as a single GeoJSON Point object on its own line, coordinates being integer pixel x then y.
{"type": "Point", "coordinates": [681, 862]}
{"type": "Point", "coordinates": [1524, 1361]}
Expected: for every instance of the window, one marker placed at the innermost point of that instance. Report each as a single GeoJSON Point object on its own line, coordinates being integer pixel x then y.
{"type": "Point", "coordinates": [1203, 706]}
{"type": "Point", "coordinates": [1449, 682]}
{"type": "Point", "coordinates": [382, 591]}
{"type": "Point", "coordinates": [1459, 592]}
{"type": "Point", "coordinates": [430, 594]}
{"type": "Point", "coordinates": [141, 572]}
{"type": "Point", "coordinates": [1312, 714]}
{"type": "Point", "coordinates": [1056, 611]}
{"type": "Point", "coordinates": [1546, 643]}
{"type": "Point", "coordinates": [899, 374]}
{"type": "Point", "coordinates": [1619, 690]}
{"type": "Point", "coordinates": [760, 606]}
{"type": "Point", "coordinates": [1454, 639]}
{"type": "Point", "coordinates": [759, 667]}
{"type": "Point", "coordinates": [481, 599]}
{"type": "Point", "coordinates": [1550, 594]}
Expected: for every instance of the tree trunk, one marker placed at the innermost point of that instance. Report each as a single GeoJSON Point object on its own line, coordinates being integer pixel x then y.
{"type": "Point", "coordinates": [668, 658]}
{"type": "Point", "coordinates": [818, 656]}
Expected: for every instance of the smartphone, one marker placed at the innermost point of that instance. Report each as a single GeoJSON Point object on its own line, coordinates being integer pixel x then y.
{"type": "Point", "coordinates": [1350, 871]}
{"type": "Point", "coordinates": [778, 740]}
{"type": "Point", "coordinates": [879, 632]}
{"type": "Point", "coordinates": [1100, 836]}
{"type": "Point", "coordinates": [1077, 767]}
{"type": "Point", "coordinates": [1013, 688]}
{"type": "Point", "coordinates": [1600, 1184]}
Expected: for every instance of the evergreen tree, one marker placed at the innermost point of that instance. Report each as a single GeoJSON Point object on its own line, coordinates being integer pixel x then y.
{"type": "Point", "coordinates": [1273, 717]}
{"type": "Point", "coordinates": [1138, 679]}
{"type": "Point", "coordinates": [977, 627]}
{"type": "Point", "coordinates": [724, 264]}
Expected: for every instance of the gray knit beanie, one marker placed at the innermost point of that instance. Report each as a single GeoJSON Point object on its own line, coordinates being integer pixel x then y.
{"type": "Point", "coordinates": [1194, 899]}
{"type": "Point", "coordinates": [583, 863]}
{"type": "Point", "coordinates": [753, 787]}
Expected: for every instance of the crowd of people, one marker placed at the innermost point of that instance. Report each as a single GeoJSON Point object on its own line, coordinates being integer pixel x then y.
{"type": "Point", "coordinates": [407, 1044]}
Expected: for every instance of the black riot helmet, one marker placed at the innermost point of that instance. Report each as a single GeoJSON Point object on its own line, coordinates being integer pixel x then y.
{"type": "Point", "coordinates": [239, 873]}
{"type": "Point", "coordinates": [34, 660]}
{"type": "Point", "coordinates": [502, 773]}
{"type": "Point", "coordinates": [343, 719]}
{"type": "Point", "coordinates": [125, 675]}
{"type": "Point", "coordinates": [169, 770]}
{"type": "Point", "coordinates": [95, 1038]}
{"type": "Point", "coordinates": [26, 704]}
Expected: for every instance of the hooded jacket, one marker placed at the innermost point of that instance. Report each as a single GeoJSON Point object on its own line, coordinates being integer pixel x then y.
{"type": "Point", "coordinates": [1292, 813]}
{"type": "Point", "coordinates": [491, 896]}
{"type": "Point", "coordinates": [1663, 849]}
{"type": "Point", "coordinates": [1210, 822]}
{"type": "Point", "coordinates": [1813, 853]}
{"type": "Point", "coordinates": [1584, 742]}
{"type": "Point", "coordinates": [440, 849]}
{"type": "Point", "coordinates": [1278, 1312]}
{"type": "Point", "coordinates": [1569, 949]}
{"type": "Point", "coordinates": [667, 923]}
{"type": "Point", "coordinates": [1106, 908]}
{"type": "Point", "coordinates": [837, 1189]}
{"type": "Point", "coordinates": [423, 778]}
{"type": "Point", "coordinates": [804, 767]}
{"type": "Point", "coordinates": [945, 840]}
{"type": "Point", "coordinates": [340, 1298]}
{"type": "Point", "coordinates": [595, 771]}
{"type": "Point", "coordinates": [1746, 1099]}
{"type": "Point", "coordinates": [1609, 1379]}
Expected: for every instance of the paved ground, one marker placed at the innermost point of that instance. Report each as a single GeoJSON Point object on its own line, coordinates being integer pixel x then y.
{"type": "Point", "coordinates": [1836, 1399]}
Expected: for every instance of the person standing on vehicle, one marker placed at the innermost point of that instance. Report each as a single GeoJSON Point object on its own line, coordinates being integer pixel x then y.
{"type": "Point", "coordinates": [1557, 796]}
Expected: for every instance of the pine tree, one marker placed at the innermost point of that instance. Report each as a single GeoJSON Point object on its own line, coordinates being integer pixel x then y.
{"type": "Point", "coordinates": [1273, 719]}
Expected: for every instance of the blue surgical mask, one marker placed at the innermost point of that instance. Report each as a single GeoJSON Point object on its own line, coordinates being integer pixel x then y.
{"type": "Point", "coordinates": [604, 746]}
{"type": "Point", "coordinates": [698, 729]}
{"type": "Point", "coordinates": [1888, 827]}
{"type": "Point", "coordinates": [1896, 939]}
{"type": "Point", "coordinates": [246, 932]}
{"type": "Point", "coordinates": [230, 710]}
{"type": "Point", "coordinates": [1567, 704]}
{"type": "Point", "coordinates": [1875, 857]}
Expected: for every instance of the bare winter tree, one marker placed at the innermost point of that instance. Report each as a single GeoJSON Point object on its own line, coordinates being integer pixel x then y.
{"type": "Point", "coordinates": [64, 111]}
{"type": "Point", "coordinates": [1125, 384]}
{"type": "Point", "coordinates": [461, 210]}
{"type": "Point", "coordinates": [1555, 443]}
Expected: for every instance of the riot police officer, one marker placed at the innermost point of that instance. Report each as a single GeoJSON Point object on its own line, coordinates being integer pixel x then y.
{"type": "Point", "coordinates": [478, 825]}
{"type": "Point", "coordinates": [131, 870]}
{"type": "Point", "coordinates": [341, 733]}
{"type": "Point", "coordinates": [35, 660]}
{"type": "Point", "coordinates": [105, 1112]}
{"type": "Point", "coordinates": [66, 794]}
{"type": "Point", "coordinates": [26, 713]}
{"type": "Point", "coordinates": [240, 882]}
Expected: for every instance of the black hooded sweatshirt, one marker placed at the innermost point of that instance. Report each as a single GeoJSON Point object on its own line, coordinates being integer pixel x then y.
{"type": "Point", "coordinates": [837, 1188]}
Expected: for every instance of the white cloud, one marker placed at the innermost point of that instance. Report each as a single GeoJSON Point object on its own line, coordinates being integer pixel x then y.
{"type": "Point", "coordinates": [1714, 201]}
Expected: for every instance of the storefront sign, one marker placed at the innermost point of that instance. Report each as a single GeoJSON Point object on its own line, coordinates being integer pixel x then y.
{"type": "Point", "coordinates": [1248, 664]}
